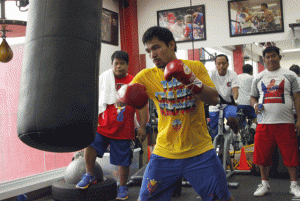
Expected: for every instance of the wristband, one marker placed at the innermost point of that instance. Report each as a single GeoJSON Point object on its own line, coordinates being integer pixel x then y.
{"type": "Point", "coordinates": [196, 86]}
{"type": "Point", "coordinates": [255, 105]}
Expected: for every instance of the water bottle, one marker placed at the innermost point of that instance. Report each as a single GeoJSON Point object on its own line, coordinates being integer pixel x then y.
{"type": "Point", "coordinates": [22, 197]}
{"type": "Point", "coordinates": [260, 115]}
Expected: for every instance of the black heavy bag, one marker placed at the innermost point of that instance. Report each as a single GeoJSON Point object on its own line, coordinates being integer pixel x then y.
{"type": "Point", "coordinates": [58, 100]}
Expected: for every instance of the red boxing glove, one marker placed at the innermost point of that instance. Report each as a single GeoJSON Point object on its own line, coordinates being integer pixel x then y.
{"type": "Point", "coordinates": [133, 95]}
{"type": "Point", "coordinates": [183, 74]}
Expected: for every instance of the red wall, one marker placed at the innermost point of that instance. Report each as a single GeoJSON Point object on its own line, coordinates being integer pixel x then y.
{"type": "Point", "coordinates": [194, 55]}
{"type": "Point", "coordinates": [129, 34]}
{"type": "Point", "coordinates": [238, 59]}
{"type": "Point", "coordinates": [260, 67]}
{"type": "Point", "coordinates": [18, 159]}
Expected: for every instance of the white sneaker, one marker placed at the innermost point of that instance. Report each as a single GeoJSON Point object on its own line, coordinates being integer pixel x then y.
{"type": "Point", "coordinates": [262, 190]}
{"type": "Point", "coordinates": [295, 190]}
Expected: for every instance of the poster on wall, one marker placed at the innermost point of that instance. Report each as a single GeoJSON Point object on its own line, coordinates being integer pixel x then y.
{"type": "Point", "coordinates": [186, 24]}
{"type": "Point", "coordinates": [109, 27]}
{"type": "Point", "coordinates": [255, 17]}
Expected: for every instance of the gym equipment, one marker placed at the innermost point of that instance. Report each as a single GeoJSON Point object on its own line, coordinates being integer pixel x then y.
{"type": "Point", "coordinates": [58, 100]}
{"type": "Point", "coordinates": [247, 134]}
{"type": "Point", "coordinates": [65, 189]}
{"type": "Point", "coordinates": [6, 52]}
{"type": "Point", "coordinates": [76, 169]}
{"type": "Point", "coordinates": [222, 143]}
{"type": "Point", "coordinates": [9, 28]}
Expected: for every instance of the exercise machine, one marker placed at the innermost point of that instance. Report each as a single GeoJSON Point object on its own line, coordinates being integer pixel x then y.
{"type": "Point", "coordinates": [247, 134]}
{"type": "Point", "coordinates": [223, 141]}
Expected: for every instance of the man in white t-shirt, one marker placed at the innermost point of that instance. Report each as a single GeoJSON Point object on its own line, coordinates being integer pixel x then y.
{"type": "Point", "coordinates": [295, 68]}
{"type": "Point", "coordinates": [227, 84]}
{"type": "Point", "coordinates": [178, 28]}
{"type": "Point", "coordinates": [245, 21]}
{"type": "Point", "coordinates": [272, 94]}
{"type": "Point", "coordinates": [245, 82]}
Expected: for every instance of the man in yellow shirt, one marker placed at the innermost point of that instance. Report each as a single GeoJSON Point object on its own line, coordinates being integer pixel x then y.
{"type": "Point", "coordinates": [179, 89]}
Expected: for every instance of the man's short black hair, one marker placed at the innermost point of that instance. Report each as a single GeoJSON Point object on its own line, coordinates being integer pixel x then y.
{"type": "Point", "coordinates": [160, 33]}
{"type": "Point", "coordinates": [247, 68]}
{"type": "Point", "coordinates": [221, 55]}
{"type": "Point", "coordinates": [271, 49]}
{"type": "Point", "coordinates": [295, 68]}
{"type": "Point", "coordinates": [120, 55]}
{"type": "Point", "coordinates": [180, 17]}
{"type": "Point", "coordinates": [265, 5]}
{"type": "Point", "coordinates": [190, 11]}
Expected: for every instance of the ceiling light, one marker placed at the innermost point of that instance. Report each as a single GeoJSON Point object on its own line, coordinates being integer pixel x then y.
{"type": "Point", "coordinates": [291, 50]}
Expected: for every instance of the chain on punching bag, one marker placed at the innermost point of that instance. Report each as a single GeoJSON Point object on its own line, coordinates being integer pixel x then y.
{"type": "Point", "coordinates": [58, 99]}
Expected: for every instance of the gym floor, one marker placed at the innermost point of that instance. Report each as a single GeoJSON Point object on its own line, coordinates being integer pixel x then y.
{"type": "Point", "coordinates": [248, 184]}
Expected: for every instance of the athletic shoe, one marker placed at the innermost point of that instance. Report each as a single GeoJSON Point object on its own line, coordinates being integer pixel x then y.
{"type": "Point", "coordinates": [262, 190]}
{"type": "Point", "coordinates": [122, 193]}
{"type": "Point", "coordinates": [86, 180]}
{"type": "Point", "coordinates": [295, 190]}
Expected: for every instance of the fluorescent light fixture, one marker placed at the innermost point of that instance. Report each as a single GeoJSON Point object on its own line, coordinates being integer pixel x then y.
{"type": "Point", "coordinates": [15, 41]}
{"type": "Point", "coordinates": [291, 50]}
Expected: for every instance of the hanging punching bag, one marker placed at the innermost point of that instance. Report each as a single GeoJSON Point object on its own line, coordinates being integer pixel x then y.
{"type": "Point", "coordinates": [58, 99]}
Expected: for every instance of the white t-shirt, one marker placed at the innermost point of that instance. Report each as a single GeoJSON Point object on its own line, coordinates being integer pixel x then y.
{"type": "Point", "coordinates": [274, 88]}
{"type": "Point", "coordinates": [245, 82]}
{"type": "Point", "coordinates": [294, 109]}
{"type": "Point", "coordinates": [178, 31]}
{"type": "Point", "coordinates": [224, 85]}
{"type": "Point", "coordinates": [242, 18]}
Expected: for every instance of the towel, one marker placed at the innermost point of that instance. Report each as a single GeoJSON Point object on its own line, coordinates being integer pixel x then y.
{"type": "Point", "coordinates": [107, 90]}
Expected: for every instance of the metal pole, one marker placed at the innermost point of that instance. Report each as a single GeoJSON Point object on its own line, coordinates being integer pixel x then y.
{"type": "Point", "coordinates": [2, 9]}
{"type": "Point", "coordinates": [251, 54]}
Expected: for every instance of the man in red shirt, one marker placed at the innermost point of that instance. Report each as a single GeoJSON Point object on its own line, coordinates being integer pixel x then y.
{"type": "Point", "coordinates": [115, 127]}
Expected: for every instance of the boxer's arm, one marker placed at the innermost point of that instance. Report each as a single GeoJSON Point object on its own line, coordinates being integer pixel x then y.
{"type": "Point", "coordinates": [136, 123]}
{"type": "Point", "coordinates": [134, 95]}
{"type": "Point", "coordinates": [297, 107]}
{"type": "Point", "coordinates": [235, 92]}
{"type": "Point", "coordinates": [209, 95]}
{"type": "Point", "coordinates": [183, 74]}
{"type": "Point", "coordinates": [143, 114]}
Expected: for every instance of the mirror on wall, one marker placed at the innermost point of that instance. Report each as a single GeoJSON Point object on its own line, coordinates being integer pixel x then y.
{"type": "Point", "coordinates": [250, 53]}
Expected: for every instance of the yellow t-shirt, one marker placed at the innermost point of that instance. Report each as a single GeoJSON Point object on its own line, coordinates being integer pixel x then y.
{"type": "Point", "coordinates": [182, 129]}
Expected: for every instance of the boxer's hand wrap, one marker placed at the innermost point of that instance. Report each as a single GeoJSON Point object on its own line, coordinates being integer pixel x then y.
{"type": "Point", "coordinates": [183, 74]}
{"type": "Point", "coordinates": [133, 95]}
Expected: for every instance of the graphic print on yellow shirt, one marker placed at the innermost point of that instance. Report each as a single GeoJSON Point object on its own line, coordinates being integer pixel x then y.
{"type": "Point", "coordinates": [175, 99]}
{"type": "Point", "coordinates": [182, 129]}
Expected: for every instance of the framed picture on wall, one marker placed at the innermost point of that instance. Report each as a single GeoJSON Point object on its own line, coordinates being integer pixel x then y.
{"type": "Point", "coordinates": [109, 27]}
{"type": "Point", "coordinates": [186, 23]}
{"type": "Point", "coordinates": [249, 17]}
